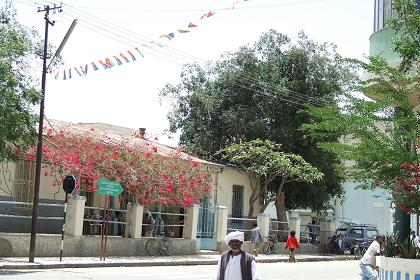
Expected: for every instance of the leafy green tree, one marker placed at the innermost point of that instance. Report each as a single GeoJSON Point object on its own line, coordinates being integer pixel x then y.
{"type": "Point", "coordinates": [264, 162]}
{"type": "Point", "coordinates": [17, 94]}
{"type": "Point", "coordinates": [407, 27]}
{"type": "Point", "coordinates": [384, 131]}
{"type": "Point", "coordinates": [261, 91]}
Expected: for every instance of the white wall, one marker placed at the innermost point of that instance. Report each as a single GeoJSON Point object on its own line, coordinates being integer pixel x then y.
{"type": "Point", "coordinates": [223, 193]}
{"type": "Point", "coordinates": [365, 206]}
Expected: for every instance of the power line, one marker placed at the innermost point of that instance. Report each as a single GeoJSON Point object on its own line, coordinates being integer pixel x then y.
{"type": "Point", "coordinates": [174, 53]}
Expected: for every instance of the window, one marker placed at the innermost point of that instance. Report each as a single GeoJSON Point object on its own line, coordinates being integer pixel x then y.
{"type": "Point", "coordinates": [24, 183]}
{"type": "Point", "coordinates": [237, 202]}
{"type": "Point", "coordinates": [371, 234]}
{"type": "Point", "coordinates": [356, 233]}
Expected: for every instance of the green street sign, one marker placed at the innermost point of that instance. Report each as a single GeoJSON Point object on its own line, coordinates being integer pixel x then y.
{"type": "Point", "coordinates": [109, 188]}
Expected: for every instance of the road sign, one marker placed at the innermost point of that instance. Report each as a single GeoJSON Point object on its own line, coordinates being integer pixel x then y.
{"type": "Point", "coordinates": [69, 184]}
{"type": "Point", "coordinates": [109, 188]}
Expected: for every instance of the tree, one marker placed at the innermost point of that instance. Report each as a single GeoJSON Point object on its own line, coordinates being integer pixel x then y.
{"type": "Point", "coordinates": [150, 178]}
{"type": "Point", "coordinates": [264, 161]}
{"type": "Point", "coordinates": [406, 42]}
{"type": "Point", "coordinates": [385, 130]}
{"type": "Point", "coordinates": [381, 134]}
{"type": "Point", "coordinates": [261, 91]}
{"type": "Point", "coordinates": [18, 46]}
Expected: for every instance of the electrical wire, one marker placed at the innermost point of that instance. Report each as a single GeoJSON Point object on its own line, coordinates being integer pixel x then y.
{"type": "Point", "coordinates": [182, 56]}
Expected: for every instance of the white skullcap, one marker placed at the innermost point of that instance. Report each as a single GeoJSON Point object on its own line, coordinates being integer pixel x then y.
{"type": "Point", "coordinates": [235, 235]}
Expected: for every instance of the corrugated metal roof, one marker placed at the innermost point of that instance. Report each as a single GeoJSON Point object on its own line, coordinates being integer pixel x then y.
{"type": "Point", "coordinates": [108, 132]}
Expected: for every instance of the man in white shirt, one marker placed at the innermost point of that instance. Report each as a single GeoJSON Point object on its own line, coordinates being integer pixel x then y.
{"type": "Point", "coordinates": [368, 261]}
{"type": "Point", "coordinates": [415, 239]}
{"type": "Point", "coordinates": [236, 264]}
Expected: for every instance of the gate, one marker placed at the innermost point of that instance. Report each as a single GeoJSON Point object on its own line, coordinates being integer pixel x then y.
{"type": "Point", "coordinates": [206, 228]}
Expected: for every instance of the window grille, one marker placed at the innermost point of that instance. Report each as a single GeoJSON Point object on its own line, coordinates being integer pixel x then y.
{"type": "Point", "coordinates": [24, 183]}
{"type": "Point", "coordinates": [237, 202]}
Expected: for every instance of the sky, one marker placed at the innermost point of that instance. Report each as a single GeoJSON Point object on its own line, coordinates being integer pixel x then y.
{"type": "Point", "coordinates": [128, 95]}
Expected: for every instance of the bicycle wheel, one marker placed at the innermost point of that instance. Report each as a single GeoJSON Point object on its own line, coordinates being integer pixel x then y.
{"type": "Point", "coordinates": [268, 247]}
{"type": "Point", "coordinates": [167, 247]}
{"type": "Point", "coordinates": [276, 248]}
{"type": "Point", "coordinates": [153, 247]}
{"type": "Point", "coordinates": [358, 252]}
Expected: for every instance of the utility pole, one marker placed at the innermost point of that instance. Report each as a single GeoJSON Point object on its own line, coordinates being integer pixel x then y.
{"type": "Point", "coordinates": [32, 246]}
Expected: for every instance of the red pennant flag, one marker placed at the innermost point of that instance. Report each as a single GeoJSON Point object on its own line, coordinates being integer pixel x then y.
{"type": "Point", "coordinates": [183, 31]}
{"type": "Point", "coordinates": [192, 25]}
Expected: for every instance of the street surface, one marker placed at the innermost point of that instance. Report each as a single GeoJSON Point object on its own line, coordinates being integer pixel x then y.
{"type": "Point", "coordinates": [333, 270]}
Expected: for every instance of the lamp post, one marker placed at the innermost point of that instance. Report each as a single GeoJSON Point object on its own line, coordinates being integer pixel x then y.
{"type": "Point", "coordinates": [35, 202]}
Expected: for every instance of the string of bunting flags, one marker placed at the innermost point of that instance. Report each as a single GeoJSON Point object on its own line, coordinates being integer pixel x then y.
{"type": "Point", "coordinates": [129, 55]}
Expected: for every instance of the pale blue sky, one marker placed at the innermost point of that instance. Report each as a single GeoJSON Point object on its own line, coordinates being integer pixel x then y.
{"type": "Point", "coordinates": [127, 95]}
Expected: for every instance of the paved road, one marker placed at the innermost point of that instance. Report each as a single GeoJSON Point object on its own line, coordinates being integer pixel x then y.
{"type": "Point", "coordinates": [342, 270]}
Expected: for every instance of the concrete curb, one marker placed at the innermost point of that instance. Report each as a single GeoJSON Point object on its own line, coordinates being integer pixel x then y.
{"type": "Point", "coordinates": [17, 266]}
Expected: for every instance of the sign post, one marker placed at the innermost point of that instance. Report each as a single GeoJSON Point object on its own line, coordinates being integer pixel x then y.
{"type": "Point", "coordinates": [69, 184]}
{"type": "Point", "coordinates": [107, 188]}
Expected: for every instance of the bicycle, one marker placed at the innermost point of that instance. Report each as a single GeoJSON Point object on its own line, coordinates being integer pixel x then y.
{"type": "Point", "coordinates": [360, 249]}
{"type": "Point", "coordinates": [156, 246]}
{"type": "Point", "coordinates": [270, 245]}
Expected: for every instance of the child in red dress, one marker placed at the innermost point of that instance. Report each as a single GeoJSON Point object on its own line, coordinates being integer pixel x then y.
{"type": "Point", "coordinates": [292, 243]}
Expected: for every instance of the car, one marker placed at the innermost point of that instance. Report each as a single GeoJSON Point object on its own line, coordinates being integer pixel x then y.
{"type": "Point", "coordinates": [349, 235]}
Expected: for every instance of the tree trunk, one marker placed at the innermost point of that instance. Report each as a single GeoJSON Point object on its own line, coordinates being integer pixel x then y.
{"type": "Point", "coordinates": [281, 215]}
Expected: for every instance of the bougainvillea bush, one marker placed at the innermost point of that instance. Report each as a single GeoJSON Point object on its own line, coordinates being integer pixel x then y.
{"type": "Point", "coordinates": [172, 179]}
{"type": "Point", "coordinates": [406, 194]}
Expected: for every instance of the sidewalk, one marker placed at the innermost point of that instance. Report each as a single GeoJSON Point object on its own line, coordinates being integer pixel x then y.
{"type": "Point", "coordinates": [84, 262]}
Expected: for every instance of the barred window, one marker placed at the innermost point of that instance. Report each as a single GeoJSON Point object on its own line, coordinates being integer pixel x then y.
{"type": "Point", "coordinates": [237, 201]}
{"type": "Point", "coordinates": [24, 183]}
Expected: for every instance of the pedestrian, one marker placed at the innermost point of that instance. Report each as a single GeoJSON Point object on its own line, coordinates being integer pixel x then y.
{"type": "Point", "coordinates": [368, 261]}
{"type": "Point", "coordinates": [311, 227]}
{"type": "Point", "coordinates": [256, 238]}
{"type": "Point", "coordinates": [236, 264]}
{"type": "Point", "coordinates": [293, 244]}
{"type": "Point", "coordinates": [334, 245]}
{"type": "Point", "coordinates": [415, 239]}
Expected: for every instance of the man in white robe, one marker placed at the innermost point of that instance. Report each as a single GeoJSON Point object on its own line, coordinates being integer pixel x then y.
{"type": "Point", "coordinates": [236, 264]}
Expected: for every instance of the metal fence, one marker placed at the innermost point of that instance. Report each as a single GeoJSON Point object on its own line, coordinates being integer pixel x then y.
{"type": "Point", "coordinates": [94, 218]}
{"type": "Point", "coordinates": [241, 224]}
{"type": "Point", "coordinates": [309, 234]}
{"type": "Point", "coordinates": [279, 229]}
{"type": "Point", "coordinates": [164, 223]}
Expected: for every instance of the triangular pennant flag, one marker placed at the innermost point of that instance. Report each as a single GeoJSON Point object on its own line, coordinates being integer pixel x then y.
{"type": "Point", "coordinates": [107, 64]}
{"type": "Point", "coordinates": [64, 75]}
{"type": "Point", "coordinates": [119, 62]}
{"type": "Point", "coordinates": [84, 71]}
{"type": "Point", "coordinates": [70, 73]}
{"type": "Point", "coordinates": [125, 58]}
{"type": "Point", "coordinates": [56, 75]}
{"type": "Point", "coordinates": [137, 49]}
{"type": "Point", "coordinates": [153, 42]}
{"type": "Point", "coordinates": [192, 25]}
{"type": "Point", "coordinates": [94, 66]}
{"type": "Point", "coordinates": [132, 56]}
{"type": "Point", "coordinates": [78, 72]}
{"type": "Point", "coordinates": [210, 14]}
{"type": "Point", "coordinates": [183, 31]}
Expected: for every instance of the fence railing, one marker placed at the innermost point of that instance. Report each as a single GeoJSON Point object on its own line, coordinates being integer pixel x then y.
{"type": "Point", "coordinates": [309, 233]}
{"type": "Point", "coordinates": [93, 221]}
{"type": "Point", "coordinates": [241, 224]}
{"type": "Point", "coordinates": [171, 224]}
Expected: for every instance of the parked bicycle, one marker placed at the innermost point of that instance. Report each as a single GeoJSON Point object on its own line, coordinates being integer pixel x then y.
{"type": "Point", "coordinates": [158, 245]}
{"type": "Point", "coordinates": [360, 249]}
{"type": "Point", "coordinates": [270, 245]}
